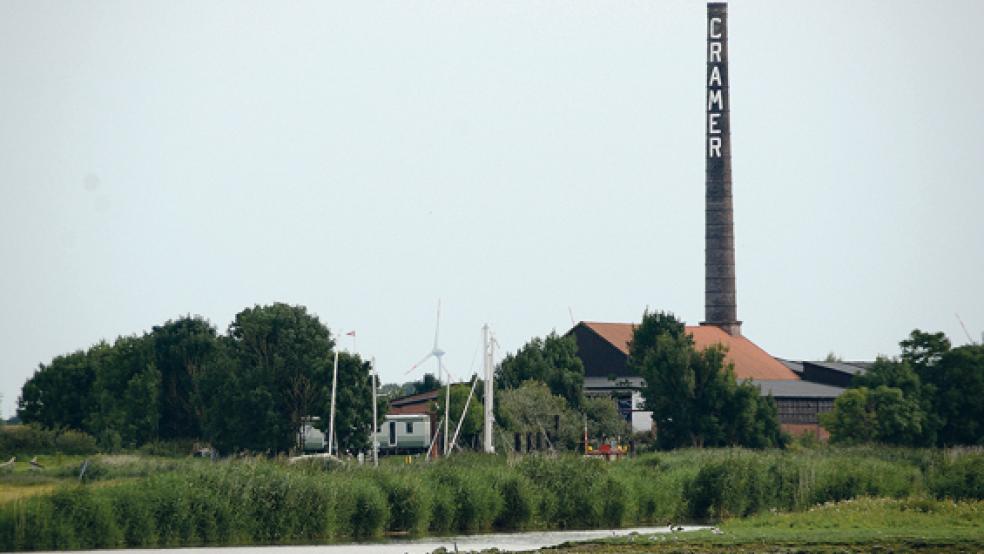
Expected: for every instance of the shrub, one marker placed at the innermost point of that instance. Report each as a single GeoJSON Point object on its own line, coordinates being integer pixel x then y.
{"type": "Point", "coordinates": [517, 502]}
{"type": "Point", "coordinates": [88, 516]}
{"type": "Point", "coordinates": [569, 480]}
{"type": "Point", "coordinates": [133, 515]}
{"type": "Point", "coordinates": [961, 478]}
{"type": "Point", "coordinates": [614, 497]}
{"type": "Point", "coordinates": [732, 487]}
{"type": "Point", "coordinates": [75, 442]}
{"type": "Point", "coordinates": [409, 501]}
{"type": "Point", "coordinates": [476, 502]}
{"type": "Point", "coordinates": [443, 508]}
{"type": "Point", "coordinates": [363, 507]}
{"type": "Point", "coordinates": [30, 440]}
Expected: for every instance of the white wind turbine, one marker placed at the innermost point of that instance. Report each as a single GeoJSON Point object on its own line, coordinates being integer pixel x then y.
{"type": "Point", "coordinates": [436, 352]}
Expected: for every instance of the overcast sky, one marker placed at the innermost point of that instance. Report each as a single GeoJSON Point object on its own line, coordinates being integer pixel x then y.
{"type": "Point", "coordinates": [519, 160]}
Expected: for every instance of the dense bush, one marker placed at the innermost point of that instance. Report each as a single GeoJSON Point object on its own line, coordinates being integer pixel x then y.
{"type": "Point", "coordinates": [32, 440]}
{"type": "Point", "coordinates": [959, 478]}
{"type": "Point", "coordinates": [409, 501]}
{"type": "Point", "coordinates": [517, 501]}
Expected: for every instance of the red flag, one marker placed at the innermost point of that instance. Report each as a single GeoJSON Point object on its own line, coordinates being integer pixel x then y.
{"type": "Point", "coordinates": [350, 334]}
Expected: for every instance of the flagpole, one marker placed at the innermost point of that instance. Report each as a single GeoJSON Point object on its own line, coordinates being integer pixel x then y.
{"type": "Point", "coordinates": [331, 420]}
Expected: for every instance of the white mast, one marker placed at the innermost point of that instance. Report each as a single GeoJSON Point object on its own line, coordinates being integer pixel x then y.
{"type": "Point", "coordinates": [464, 412]}
{"type": "Point", "coordinates": [489, 390]}
{"type": "Point", "coordinates": [372, 435]}
{"type": "Point", "coordinates": [331, 420]}
{"type": "Point", "coordinates": [447, 406]}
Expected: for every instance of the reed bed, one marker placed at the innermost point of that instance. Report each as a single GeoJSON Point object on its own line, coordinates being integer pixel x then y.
{"type": "Point", "coordinates": [260, 501]}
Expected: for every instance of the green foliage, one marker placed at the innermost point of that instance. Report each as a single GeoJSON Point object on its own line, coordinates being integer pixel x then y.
{"type": "Point", "coordinates": [89, 518]}
{"type": "Point", "coordinates": [426, 383]}
{"type": "Point", "coordinates": [409, 501]}
{"type": "Point", "coordinates": [59, 394]}
{"type": "Point", "coordinates": [929, 395]}
{"type": "Point", "coordinates": [552, 360]}
{"type": "Point", "coordinates": [517, 501]}
{"type": "Point", "coordinates": [362, 508]}
{"type": "Point", "coordinates": [477, 503]}
{"type": "Point", "coordinates": [353, 412]}
{"type": "Point", "coordinates": [31, 440]}
{"type": "Point", "coordinates": [531, 408]}
{"type": "Point", "coordinates": [471, 426]}
{"type": "Point", "coordinates": [256, 501]}
{"type": "Point", "coordinates": [133, 516]}
{"type": "Point", "coordinates": [277, 362]}
{"type": "Point", "coordinates": [569, 482]}
{"type": "Point", "coordinates": [183, 349]}
{"type": "Point", "coordinates": [603, 418]}
{"type": "Point", "coordinates": [958, 383]}
{"type": "Point", "coordinates": [693, 395]}
{"type": "Point", "coordinates": [959, 478]}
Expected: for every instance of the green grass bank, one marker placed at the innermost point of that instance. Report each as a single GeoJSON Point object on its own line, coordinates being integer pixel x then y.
{"type": "Point", "coordinates": [142, 501]}
{"type": "Point", "coordinates": [858, 525]}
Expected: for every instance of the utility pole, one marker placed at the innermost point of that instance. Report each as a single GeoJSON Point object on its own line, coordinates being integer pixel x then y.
{"type": "Point", "coordinates": [331, 420]}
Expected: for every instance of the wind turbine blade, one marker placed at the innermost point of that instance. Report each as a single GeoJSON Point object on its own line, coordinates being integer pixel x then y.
{"type": "Point", "coordinates": [416, 365]}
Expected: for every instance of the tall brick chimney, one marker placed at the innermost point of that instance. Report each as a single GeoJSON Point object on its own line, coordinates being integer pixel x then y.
{"type": "Point", "coordinates": [720, 298]}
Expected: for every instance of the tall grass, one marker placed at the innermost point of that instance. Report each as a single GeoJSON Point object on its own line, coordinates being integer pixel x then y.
{"type": "Point", "coordinates": [256, 501]}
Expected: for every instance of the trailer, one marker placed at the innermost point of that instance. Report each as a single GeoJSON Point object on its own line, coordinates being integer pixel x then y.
{"type": "Point", "coordinates": [404, 434]}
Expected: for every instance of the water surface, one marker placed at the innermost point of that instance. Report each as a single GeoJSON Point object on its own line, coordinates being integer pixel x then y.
{"type": "Point", "coordinates": [502, 541]}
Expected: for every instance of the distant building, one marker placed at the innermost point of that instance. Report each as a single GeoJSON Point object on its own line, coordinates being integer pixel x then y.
{"type": "Point", "coordinates": [410, 424]}
{"type": "Point", "coordinates": [837, 374]}
{"type": "Point", "coordinates": [604, 350]}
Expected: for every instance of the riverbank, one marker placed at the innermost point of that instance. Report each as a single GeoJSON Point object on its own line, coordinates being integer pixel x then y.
{"type": "Point", "coordinates": [147, 502]}
{"type": "Point", "coordinates": [860, 525]}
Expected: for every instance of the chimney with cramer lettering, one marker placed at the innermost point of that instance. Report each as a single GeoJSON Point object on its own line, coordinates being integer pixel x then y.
{"type": "Point", "coordinates": [720, 299]}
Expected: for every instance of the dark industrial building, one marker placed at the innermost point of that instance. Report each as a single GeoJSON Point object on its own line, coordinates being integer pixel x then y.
{"type": "Point", "coordinates": [604, 350]}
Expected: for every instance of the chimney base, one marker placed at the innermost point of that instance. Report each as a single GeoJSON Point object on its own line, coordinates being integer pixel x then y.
{"type": "Point", "coordinates": [733, 328]}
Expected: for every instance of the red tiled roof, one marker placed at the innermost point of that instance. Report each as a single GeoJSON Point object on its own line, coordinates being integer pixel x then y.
{"type": "Point", "coordinates": [421, 397]}
{"type": "Point", "coordinates": [750, 361]}
{"type": "Point", "coordinates": [407, 409]}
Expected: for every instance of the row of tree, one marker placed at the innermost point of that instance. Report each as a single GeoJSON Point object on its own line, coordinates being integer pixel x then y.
{"type": "Point", "coordinates": [929, 395]}
{"type": "Point", "coordinates": [249, 388]}
{"type": "Point", "coordinates": [252, 387]}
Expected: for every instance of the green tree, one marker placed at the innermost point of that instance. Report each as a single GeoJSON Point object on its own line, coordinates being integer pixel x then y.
{"type": "Point", "coordinates": [271, 374]}
{"type": "Point", "coordinates": [59, 394]}
{"type": "Point", "coordinates": [882, 414]}
{"type": "Point", "coordinates": [426, 383]}
{"type": "Point", "coordinates": [851, 421]}
{"type": "Point", "coordinates": [552, 360]}
{"type": "Point", "coordinates": [126, 392]}
{"type": "Point", "coordinates": [532, 408]}
{"type": "Point", "coordinates": [353, 404]}
{"type": "Point", "coordinates": [914, 400]}
{"type": "Point", "coordinates": [183, 350]}
{"type": "Point", "coordinates": [958, 379]}
{"type": "Point", "coordinates": [603, 418]}
{"type": "Point", "coordinates": [938, 394]}
{"type": "Point", "coordinates": [693, 394]}
{"type": "Point", "coordinates": [924, 350]}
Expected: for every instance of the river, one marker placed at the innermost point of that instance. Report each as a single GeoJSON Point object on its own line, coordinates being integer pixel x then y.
{"type": "Point", "coordinates": [503, 541]}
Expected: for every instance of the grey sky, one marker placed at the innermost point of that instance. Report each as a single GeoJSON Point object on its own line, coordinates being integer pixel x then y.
{"type": "Point", "coordinates": [512, 158]}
